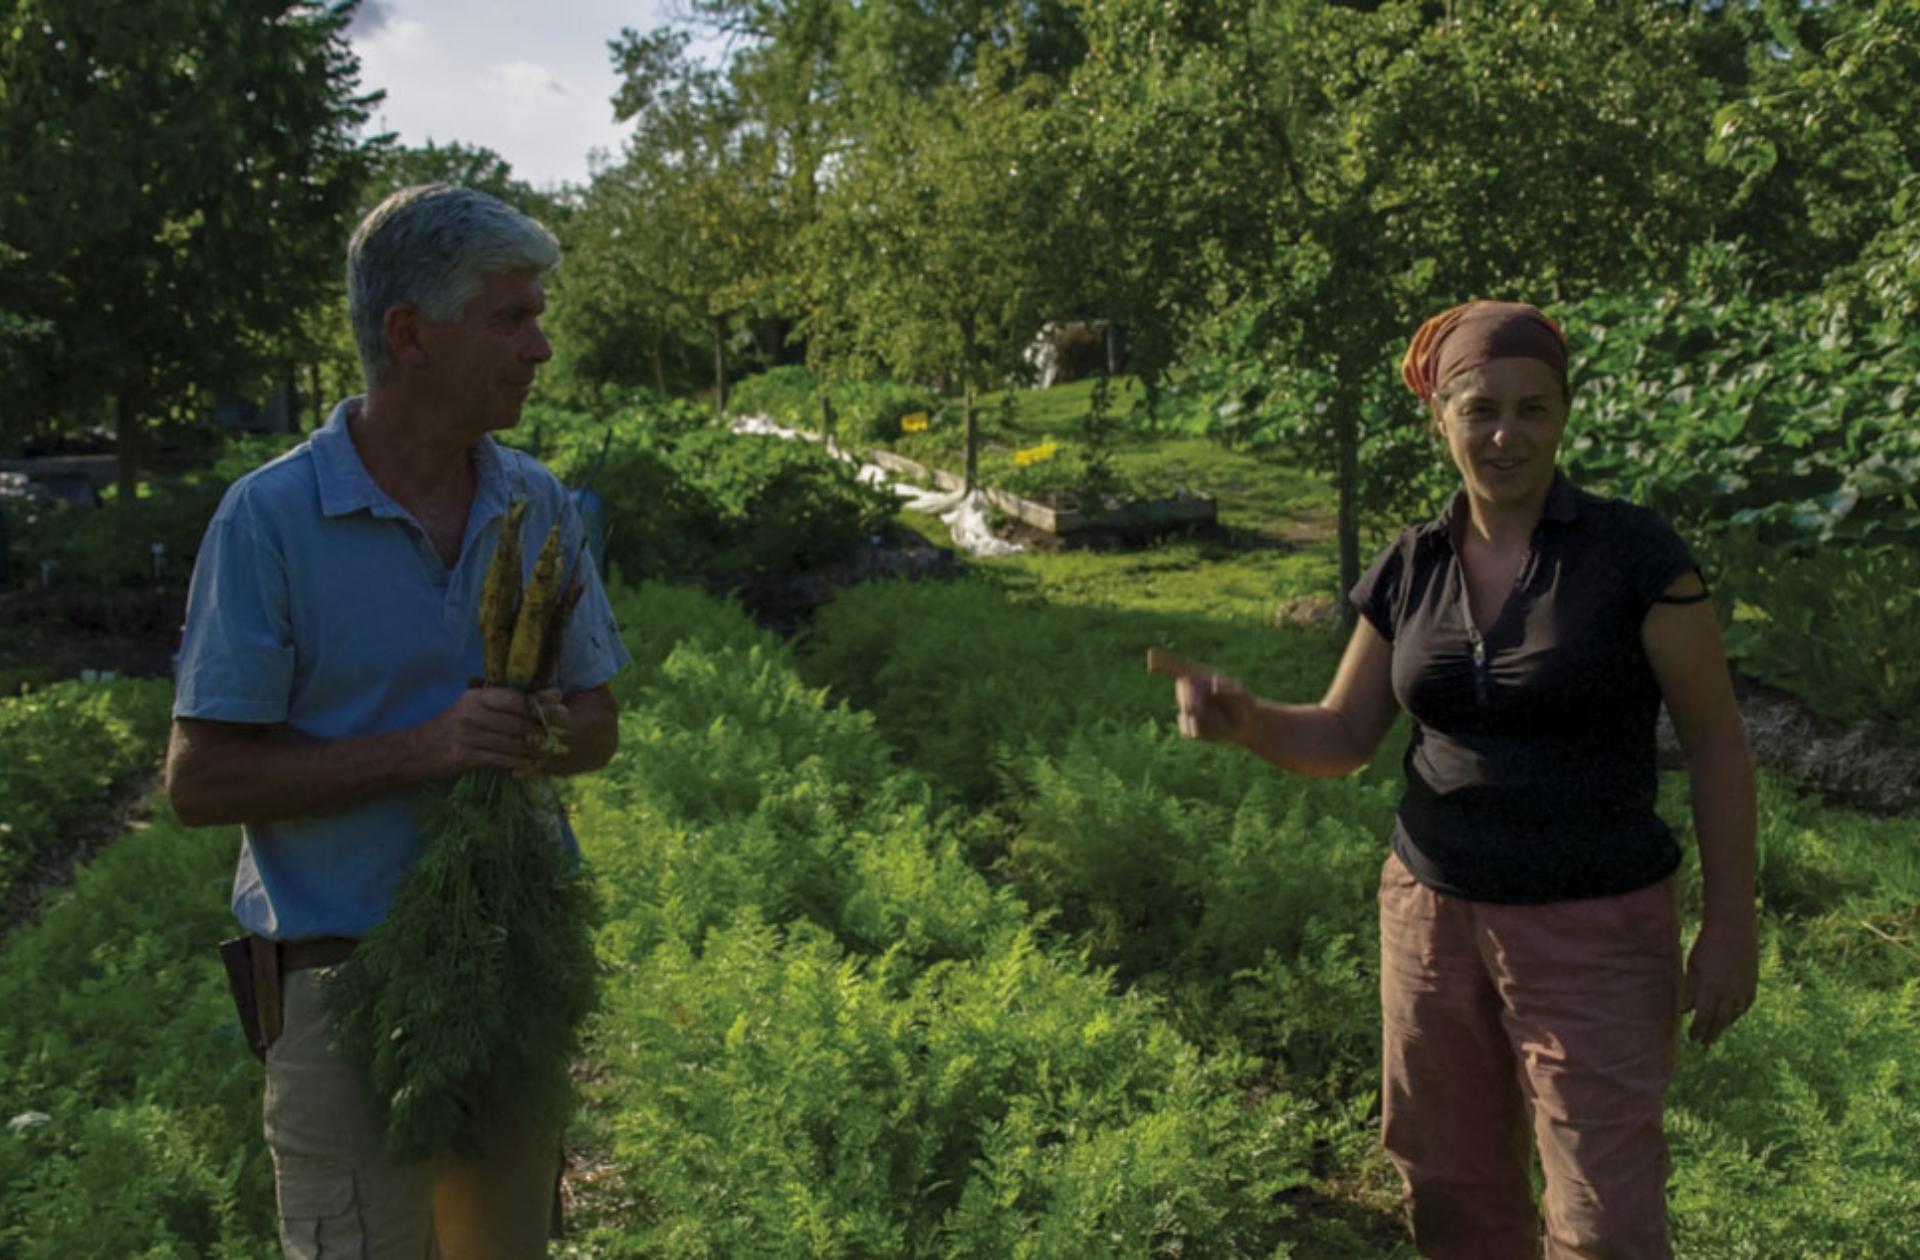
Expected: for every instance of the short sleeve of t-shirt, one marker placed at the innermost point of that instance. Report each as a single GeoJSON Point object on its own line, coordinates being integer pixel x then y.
{"type": "Point", "coordinates": [236, 654]}
{"type": "Point", "coordinates": [592, 651]}
{"type": "Point", "coordinates": [1377, 596]}
{"type": "Point", "coordinates": [1655, 555]}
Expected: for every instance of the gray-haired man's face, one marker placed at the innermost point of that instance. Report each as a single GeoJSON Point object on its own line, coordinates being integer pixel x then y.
{"type": "Point", "coordinates": [483, 364]}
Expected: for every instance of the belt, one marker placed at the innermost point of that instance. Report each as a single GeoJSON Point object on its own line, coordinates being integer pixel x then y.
{"type": "Point", "coordinates": [316, 951]}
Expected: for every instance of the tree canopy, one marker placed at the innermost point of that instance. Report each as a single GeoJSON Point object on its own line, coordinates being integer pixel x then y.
{"type": "Point", "coordinates": [1284, 189]}
{"type": "Point", "coordinates": [174, 182]}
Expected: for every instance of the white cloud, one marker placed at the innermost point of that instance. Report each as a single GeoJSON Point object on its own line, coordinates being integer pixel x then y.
{"type": "Point", "coordinates": [393, 37]}
{"type": "Point", "coordinates": [505, 74]}
{"type": "Point", "coordinates": [524, 79]}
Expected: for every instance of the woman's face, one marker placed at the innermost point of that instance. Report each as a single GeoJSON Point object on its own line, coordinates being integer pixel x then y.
{"type": "Point", "coordinates": [1502, 422]}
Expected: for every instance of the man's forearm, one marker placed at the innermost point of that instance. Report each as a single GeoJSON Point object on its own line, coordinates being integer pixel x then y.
{"type": "Point", "coordinates": [279, 775]}
{"type": "Point", "coordinates": [225, 773]}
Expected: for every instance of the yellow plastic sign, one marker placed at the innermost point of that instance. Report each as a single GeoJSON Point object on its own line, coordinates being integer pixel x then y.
{"type": "Point", "coordinates": [914, 422]}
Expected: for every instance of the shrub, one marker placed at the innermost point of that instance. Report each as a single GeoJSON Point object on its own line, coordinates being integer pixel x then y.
{"type": "Point", "coordinates": [113, 544]}
{"type": "Point", "coordinates": [788, 395]}
{"type": "Point", "coordinates": [62, 748]}
{"type": "Point", "coordinates": [1790, 415]}
{"type": "Point", "coordinates": [686, 499]}
{"type": "Point", "coordinates": [863, 411]}
{"type": "Point", "coordinates": [1837, 624]}
{"type": "Point", "coordinates": [120, 1031]}
{"type": "Point", "coordinates": [776, 1096]}
{"type": "Point", "coordinates": [771, 506]}
{"type": "Point", "coordinates": [871, 411]}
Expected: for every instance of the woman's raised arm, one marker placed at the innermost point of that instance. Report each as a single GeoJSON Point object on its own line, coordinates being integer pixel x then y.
{"type": "Point", "coordinates": [1334, 737]}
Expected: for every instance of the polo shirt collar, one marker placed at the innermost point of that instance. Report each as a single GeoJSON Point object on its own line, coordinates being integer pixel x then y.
{"type": "Point", "coordinates": [347, 487]}
{"type": "Point", "coordinates": [1562, 506]}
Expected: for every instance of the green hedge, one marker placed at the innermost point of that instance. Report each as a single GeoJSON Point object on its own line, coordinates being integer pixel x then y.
{"type": "Point", "coordinates": [687, 500]}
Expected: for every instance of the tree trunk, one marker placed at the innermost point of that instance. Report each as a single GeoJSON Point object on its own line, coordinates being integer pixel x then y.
{"type": "Point", "coordinates": [1347, 441]}
{"type": "Point", "coordinates": [659, 368]}
{"type": "Point", "coordinates": [973, 438]}
{"type": "Point", "coordinates": [126, 449]}
{"type": "Point", "coordinates": [719, 368]}
{"type": "Point", "coordinates": [317, 398]}
{"type": "Point", "coordinates": [826, 414]}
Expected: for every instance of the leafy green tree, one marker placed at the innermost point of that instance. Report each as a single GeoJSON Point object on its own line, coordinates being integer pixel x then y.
{"type": "Point", "coordinates": [471, 166]}
{"type": "Point", "coordinates": [933, 233]}
{"type": "Point", "coordinates": [691, 210]}
{"type": "Point", "coordinates": [174, 178]}
{"type": "Point", "coordinates": [1366, 168]}
{"type": "Point", "coordinates": [805, 86]}
{"type": "Point", "coordinates": [1825, 139]}
{"type": "Point", "coordinates": [628, 311]}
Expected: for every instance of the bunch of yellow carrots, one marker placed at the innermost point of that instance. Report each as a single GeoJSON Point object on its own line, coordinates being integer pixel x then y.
{"type": "Point", "coordinates": [463, 1006]}
{"type": "Point", "coordinates": [520, 631]}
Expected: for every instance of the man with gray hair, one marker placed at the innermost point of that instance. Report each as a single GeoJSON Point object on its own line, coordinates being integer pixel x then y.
{"type": "Point", "coordinates": [323, 685]}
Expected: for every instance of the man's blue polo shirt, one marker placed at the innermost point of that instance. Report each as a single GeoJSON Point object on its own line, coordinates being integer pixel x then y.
{"type": "Point", "coordinates": [319, 604]}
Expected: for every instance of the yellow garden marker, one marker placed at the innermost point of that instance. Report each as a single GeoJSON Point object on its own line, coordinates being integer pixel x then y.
{"type": "Point", "coordinates": [914, 422]}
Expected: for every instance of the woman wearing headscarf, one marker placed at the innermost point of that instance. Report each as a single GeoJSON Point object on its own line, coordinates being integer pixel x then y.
{"type": "Point", "coordinates": [1531, 979]}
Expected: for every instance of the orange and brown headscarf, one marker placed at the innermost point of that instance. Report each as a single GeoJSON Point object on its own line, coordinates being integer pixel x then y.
{"type": "Point", "coordinates": [1473, 333]}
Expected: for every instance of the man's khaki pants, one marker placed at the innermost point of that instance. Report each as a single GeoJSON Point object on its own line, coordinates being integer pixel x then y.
{"type": "Point", "coordinates": [342, 1199]}
{"type": "Point", "coordinates": [1560, 1019]}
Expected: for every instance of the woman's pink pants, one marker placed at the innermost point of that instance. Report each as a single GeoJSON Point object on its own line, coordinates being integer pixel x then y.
{"type": "Point", "coordinates": [1559, 1018]}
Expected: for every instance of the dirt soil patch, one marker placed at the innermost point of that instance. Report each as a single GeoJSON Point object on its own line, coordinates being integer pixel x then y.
{"type": "Point", "coordinates": [1859, 765]}
{"type": "Point", "coordinates": [783, 603]}
{"type": "Point", "coordinates": [55, 634]}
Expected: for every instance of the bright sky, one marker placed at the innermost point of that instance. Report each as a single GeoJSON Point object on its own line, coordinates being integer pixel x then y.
{"type": "Point", "coordinates": [533, 82]}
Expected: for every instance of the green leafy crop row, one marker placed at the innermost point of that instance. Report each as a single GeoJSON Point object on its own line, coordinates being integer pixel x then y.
{"type": "Point", "coordinates": [62, 747]}
{"type": "Point", "coordinates": [828, 1035]}
{"type": "Point", "coordinates": [988, 964]}
{"type": "Point", "coordinates": [1792, 414]}
{"type": "Point", "coordinates": [135, 1106]}
{"type": "Point", "coordinates": [1241, 899]}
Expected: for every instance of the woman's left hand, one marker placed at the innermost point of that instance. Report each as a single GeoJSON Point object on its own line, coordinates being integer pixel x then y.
{"type": "Point", "coordinates": [1723, 974]}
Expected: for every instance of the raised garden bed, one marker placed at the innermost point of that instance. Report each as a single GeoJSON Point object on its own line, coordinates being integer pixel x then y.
{"type": "Point", "coordinates": [1139, 515]}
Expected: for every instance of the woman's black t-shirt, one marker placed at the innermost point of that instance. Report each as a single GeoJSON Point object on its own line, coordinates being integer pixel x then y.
{"type": "Point", "coordinates": [1531, 773]}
